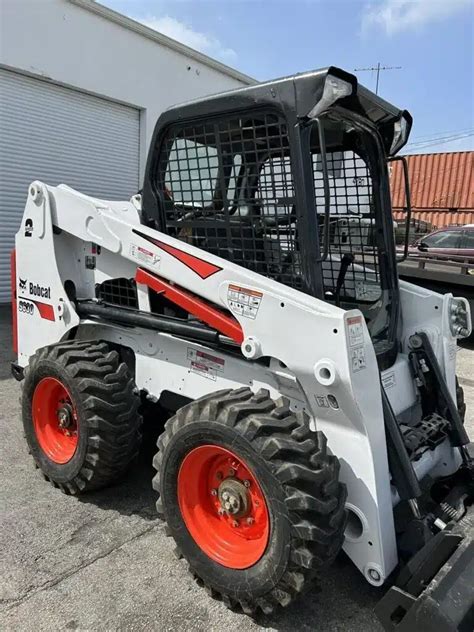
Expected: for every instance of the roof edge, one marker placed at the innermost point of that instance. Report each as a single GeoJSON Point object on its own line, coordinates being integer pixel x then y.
{"type": "Point", "coordinates": [437, 153]}
{"type": "Point", "coordinates": [159, 38]}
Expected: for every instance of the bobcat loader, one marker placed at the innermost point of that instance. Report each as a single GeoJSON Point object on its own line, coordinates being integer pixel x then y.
{"type": "Point", "coordinates": [313, 395]}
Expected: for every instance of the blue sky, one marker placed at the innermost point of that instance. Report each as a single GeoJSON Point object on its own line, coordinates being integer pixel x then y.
{"type": "Point", "coordinates": [432, 41]}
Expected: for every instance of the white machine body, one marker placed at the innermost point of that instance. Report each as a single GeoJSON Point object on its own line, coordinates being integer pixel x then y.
{"type": "Point", "coordinates": [317, 355]}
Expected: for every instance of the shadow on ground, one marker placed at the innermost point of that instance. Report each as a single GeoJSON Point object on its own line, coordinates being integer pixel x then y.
{"type": "Point", "coordinates": [133, 495]}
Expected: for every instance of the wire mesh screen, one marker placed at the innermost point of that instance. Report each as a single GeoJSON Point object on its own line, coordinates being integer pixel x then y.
{"type": "Point", "coordinates": [118, 291]}
{"type": "Point", "coordinates": [351, 228]}
{"type": "Point", "coordinates": [228, 189]}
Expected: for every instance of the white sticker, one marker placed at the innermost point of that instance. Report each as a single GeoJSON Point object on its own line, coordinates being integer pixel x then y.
{"type": "Point", "coordinates": [388, 380]}
{"type": "Point", "coordinates": [355, 330]}
{"type": "Point", "coordinates": [244, 301]}
{"type": "Point", "coordinates": [144, 256]}
{"type": "Point", "coordinates": [207, 360]}
{"type": "Point", "coordinates": [358, 359]}
{"type": "Point", "coordinates": [203, 370]}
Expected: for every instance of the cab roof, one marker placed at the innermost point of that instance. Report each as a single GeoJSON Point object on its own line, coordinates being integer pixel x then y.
{"type": "Point", "coordinates": [296, 96]}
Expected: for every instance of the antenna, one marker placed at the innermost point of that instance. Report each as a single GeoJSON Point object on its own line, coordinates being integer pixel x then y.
{"type": "Point", "coordinates": [377, 69]}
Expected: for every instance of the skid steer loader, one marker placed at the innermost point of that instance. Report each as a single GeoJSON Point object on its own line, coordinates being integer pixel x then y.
{"type": "Point", "coordinates": [252, 290]}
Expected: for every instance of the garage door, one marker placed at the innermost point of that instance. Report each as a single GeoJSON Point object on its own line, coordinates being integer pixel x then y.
{"type": "Point", "coordinates": [59, 135]}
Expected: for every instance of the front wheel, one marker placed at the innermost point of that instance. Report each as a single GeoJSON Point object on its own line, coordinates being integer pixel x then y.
{"type": "Point", "coordinates": [251, 497]}
{"type": "Point", "coordinates": [80, 415]}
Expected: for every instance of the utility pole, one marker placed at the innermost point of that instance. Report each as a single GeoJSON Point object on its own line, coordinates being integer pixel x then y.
{"type": "Point", "coordinates": [377, 69]}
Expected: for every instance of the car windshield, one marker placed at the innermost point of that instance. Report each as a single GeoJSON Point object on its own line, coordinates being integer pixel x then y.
{"type": "Point", "coordinates": [444, 239]}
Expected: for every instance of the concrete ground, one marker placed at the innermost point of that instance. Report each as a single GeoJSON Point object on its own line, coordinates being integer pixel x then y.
{"type": "Point", "coordinates": [102, 562]}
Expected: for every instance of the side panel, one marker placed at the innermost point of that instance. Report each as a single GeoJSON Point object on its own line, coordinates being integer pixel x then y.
{"type": "Point", "coordinates": [44, 313]}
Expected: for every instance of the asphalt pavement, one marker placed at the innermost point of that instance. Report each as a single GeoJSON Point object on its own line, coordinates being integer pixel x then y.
{"type": "Point", "coordinates": [103, 562]}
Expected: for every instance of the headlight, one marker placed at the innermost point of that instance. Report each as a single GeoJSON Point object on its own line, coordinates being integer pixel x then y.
{"type": "Point", "coordinates": [460, 317]}
{"type": "Point", "coordinates": [334, 89]}
{"type": "Point", "coordinates": [400, 134]}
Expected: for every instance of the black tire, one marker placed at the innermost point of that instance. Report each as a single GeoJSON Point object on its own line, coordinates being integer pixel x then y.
{"type": "Point", "coordinates": [299, 480]}
{"type": "Point", "coordinates": [106, 401]}
{"type": "Point", "coordinates": [461, 404]}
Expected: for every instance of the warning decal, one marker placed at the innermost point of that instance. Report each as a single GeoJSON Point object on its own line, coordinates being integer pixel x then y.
{"type": "Point", "coordinates": [388, 380]}
{"type": "Point", "coordinates": [244, 301]}
{"type": "Point", "coordinates": [205, 364]}
{"type": "Point", "coordinates": [355, 332]}
{"type": "Point", "coordinates": [358, 359]}
{"type": "Point", "coordinates": [144, 255]}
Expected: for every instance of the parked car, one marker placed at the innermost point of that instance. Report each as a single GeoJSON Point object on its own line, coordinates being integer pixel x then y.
{"type": "Point", "coordinates": [452, 242]}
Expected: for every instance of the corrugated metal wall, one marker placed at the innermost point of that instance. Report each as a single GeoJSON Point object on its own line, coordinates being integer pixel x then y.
{"type": "Point", "coordinates": [59, 135]}
{"type": "Point", "coordinates": [438, 181]}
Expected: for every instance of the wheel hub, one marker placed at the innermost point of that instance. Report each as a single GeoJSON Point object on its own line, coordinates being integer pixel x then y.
{"type": "Point", "coordinates": [65, 418]}
{"type": "Point", "coordinates": [233, 497]}
{"type": "Point", "coordinates": [55, 420]}
{"type": "Point", "coordinates": [223, 506]}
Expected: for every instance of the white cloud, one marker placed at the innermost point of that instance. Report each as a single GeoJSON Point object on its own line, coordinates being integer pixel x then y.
{"type": "Point", "coordinates": [400, 15]}
{"type": "Point", "coordinates": [183, 33]}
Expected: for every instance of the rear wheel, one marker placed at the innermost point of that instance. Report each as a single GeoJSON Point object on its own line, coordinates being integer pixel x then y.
{"type": "Point", "coordinates": [251, 497]}
{"type": "Point", "coordinates": [79, 405]}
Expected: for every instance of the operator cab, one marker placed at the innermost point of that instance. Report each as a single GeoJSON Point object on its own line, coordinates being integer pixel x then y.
{"type": "Point", "coordinates": [289, 179]}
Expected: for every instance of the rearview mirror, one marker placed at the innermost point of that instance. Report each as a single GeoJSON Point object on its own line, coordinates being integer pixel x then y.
{"type": "Point", "coordinates": [422, 246]}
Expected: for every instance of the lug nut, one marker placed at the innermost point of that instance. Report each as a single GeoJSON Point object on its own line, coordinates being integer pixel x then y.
{"type": "Point", "coordinates": [235, 523]}
{"type": "Point", "coordinates": [250, 520]}
{"type": "Point", "coordinates": [247, 484]}
{"type": "Point", "coordinates": [219, 476]}
{"type": "Point", "coordinates": [220, 511]}
{"type": "Point", "coordinates": [231, 472]}
{"type": "Point", "coordinates": [213, 492]}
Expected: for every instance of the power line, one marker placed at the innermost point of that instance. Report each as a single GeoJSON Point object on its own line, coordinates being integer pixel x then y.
{"type": "Point", "coordinates": [441, 140]}
{"type": "Point", "coordinates": [377, 69]}
{"type": "Point", "coordinates": [451, 131]}
{"type": "Point", "coordinates": [437, 143]}
{"type": "Point", "coordinates": [442, 135]}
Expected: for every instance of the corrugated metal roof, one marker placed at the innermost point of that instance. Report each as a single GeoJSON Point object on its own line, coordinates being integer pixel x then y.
{"type": "Point", "coordinates": [438, 181]}
{"type": "Point", "coordinates": [439, 219]}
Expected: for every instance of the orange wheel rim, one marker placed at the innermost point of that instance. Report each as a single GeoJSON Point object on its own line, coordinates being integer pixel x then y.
{"type": "Point", "coordinates": [223, 506]}
{"type": "Point", "coordinates": [55, 420]}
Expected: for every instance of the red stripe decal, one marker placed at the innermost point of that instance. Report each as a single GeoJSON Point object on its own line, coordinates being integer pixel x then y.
{"type": "Point", "coordinates": [201, 267]}
{"type": "Point", "coordinates": [46, 311]}
{"type": "Point", "coordinates": [14, 312]}
{"type": "Point", "coordinates": [208, 314]}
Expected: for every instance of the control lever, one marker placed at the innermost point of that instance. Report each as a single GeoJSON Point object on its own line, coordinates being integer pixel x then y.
{"type": "Point", "coordinates": [346, 261]}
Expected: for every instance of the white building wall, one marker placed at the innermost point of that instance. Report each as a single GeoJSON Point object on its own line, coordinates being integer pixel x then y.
{"type": "Point", "coordinates": [66, 42]}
